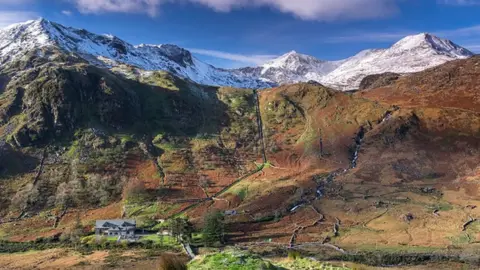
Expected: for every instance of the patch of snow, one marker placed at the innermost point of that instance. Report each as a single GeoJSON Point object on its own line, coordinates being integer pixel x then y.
{"type": "Point", "coordinates": [411, 54]}
{"type": "Point", "coordinates": [110, 51]}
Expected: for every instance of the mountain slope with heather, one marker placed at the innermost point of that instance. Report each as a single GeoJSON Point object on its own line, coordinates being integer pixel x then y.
{"type": "Point", "coordinates": [391, 170]}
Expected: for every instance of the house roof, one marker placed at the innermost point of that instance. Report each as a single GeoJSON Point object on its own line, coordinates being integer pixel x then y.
{"type": "Point", "coordinates": [114, 223]}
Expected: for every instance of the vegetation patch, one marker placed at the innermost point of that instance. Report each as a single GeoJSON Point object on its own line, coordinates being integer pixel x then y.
{"type": "Point", "coordinates": [241, 192]}
{"type": "Point", "coordinates": [162, 240]}
{"type": "Point", "coordinates": [231, 260]}
{"type": "Point", "coordinates": [165, 80]}
{"type": "Point", "coordinates": [308, 264]}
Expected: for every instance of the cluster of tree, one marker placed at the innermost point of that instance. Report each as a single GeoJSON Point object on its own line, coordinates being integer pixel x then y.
{"type": "Point", "coordinates": [213, 228]}
{"type": "Point", "coordinates": [87, 190]}
{"type": "Point", "coordinates": [181, 229]}
{"type": "Point", "coordinates": [96, 190]}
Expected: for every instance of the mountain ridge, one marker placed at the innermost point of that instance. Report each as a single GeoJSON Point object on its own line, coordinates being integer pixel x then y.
{"type": "Point", "coordinates": [110, 51]}
{"type": "Point", "coordinates": [411, 54]}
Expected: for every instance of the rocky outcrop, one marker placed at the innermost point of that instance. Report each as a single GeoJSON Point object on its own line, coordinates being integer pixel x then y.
{"type": "Point", "coordinates": [378, 80]}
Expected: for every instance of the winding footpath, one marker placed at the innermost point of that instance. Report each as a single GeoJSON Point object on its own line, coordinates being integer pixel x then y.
{"type": "Point", "coordinates": [259, 169]}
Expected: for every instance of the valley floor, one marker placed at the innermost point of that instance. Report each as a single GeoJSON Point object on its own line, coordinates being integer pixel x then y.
{"type": "Point", "coordinates": [140, 259]}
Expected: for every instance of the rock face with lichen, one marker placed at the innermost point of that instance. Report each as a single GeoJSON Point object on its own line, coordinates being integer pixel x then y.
{"type": "Point", "coordinates": [80, 128]}
{"type": "Point", "coordinates": [378, 80]}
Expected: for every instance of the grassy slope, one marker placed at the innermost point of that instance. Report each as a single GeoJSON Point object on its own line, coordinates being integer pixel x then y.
{"type": "Point", "coordinates": [430, 141]}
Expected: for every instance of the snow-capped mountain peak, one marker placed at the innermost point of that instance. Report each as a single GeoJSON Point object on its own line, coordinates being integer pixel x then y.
{"type": "Point", "coordinates": [292, 67]}
{"type": "Point", "coordinates": [291, 61]}
{"type": "Point", "coordinates": [16, 38]}
{"type": "Point", "coordinates": [109, 51]}
{"type": "Point", "coordinates": [426, 40]}
{"type": "Point", "coordinates": [410, 54]}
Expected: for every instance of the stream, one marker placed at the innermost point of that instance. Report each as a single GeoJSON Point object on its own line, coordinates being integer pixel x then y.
{"type": "Point", "coordinates": [354, 161]}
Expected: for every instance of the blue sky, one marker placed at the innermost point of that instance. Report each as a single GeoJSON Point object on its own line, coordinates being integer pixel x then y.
{"type": "Point", "coordinates": [234, 33]}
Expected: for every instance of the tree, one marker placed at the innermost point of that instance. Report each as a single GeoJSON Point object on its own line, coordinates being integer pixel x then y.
{"type": "Point", "coordinates": [181, 229]}
{"type": "Point", "coordinates": [214, 228]}
{"type": "Point", "coordinates": [63, 197]}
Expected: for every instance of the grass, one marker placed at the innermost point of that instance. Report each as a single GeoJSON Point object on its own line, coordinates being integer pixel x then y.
{"type": "Point", "coordinates": [467, 237]}
{"type": "Point", "coordinates": [138, 209]}
{"type": "Point", "coordinates": [241, 260]}
{"type": "Point", "coordinates": [198, 144]}
{"type": "Point", "coordinates": [444, 207]}
{"type": "Point", "coordinates": [308, 264]}
{"type": "Point", "coordinates": [241, 192]}
{"type": "Point", "coordinates": [124, 138]}
{"type": "Point", "coordinates": [197, 238]}
{"type": "Point", "coordinates": [157, 239]}
{"type": "Point", "coordinates": [266, 165]}
{"type": "Point", "coordinates": [397, 249]}
{"type": "Point", "coordinates": [112, 238]}
{"type": "Point", "coordinates": [164, 80]}
{"type": "Point", "coordinates": [92, 239]}
{"type": "Point", "coordinates": [461, 239]}
{"type": "Point", "coordinates": [230, 260]}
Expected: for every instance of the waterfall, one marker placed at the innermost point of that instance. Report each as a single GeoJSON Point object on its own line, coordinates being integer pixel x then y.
{"type": "Point", "coordinates": [358, 145]}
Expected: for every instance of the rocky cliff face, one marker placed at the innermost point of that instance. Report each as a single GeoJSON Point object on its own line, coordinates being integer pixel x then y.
{"type": "Point", "coordinates": [378, 80]}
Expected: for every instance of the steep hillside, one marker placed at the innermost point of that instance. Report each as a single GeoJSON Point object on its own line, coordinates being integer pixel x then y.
{"type": "Point", "coordinates": [75, 136]}
{"type": "Point", "coordinates": [386, 169]}
{"type": "Point", "coordinates": [391, 169]}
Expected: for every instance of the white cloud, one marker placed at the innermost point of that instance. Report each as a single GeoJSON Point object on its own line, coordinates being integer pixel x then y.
{"type": "Point", "coordinates": [249, 59]}
{"type": "Point", "coordinates": [322, 10]}
{"type": "Point", "coordinates": [11, 17]}
{"type": "Point", "coordinates": [67, 12]}
{"type": "Point", "coordinates": [119, 6]}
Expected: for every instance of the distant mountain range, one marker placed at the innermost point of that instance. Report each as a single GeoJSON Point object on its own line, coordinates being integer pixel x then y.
{"type": "Point", "coordinates": [411, 54]}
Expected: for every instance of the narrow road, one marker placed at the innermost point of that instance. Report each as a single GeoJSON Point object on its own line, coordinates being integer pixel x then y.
{"type": "Point", "coordinates": [188, 250]}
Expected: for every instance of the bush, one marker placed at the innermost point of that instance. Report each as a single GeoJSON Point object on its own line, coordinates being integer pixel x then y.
{"type": "Point", "coordinates": [293, 255]}
{"type": "Point", "coordinates": [171, 262]}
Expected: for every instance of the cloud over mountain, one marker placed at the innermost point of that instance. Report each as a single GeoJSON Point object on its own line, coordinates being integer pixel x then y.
{"type": "Point", "coordinates": [322, 10]}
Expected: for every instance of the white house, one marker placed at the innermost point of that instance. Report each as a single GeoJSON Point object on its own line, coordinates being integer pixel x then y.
{"type": "Point", "coordinates": [122, 228]}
